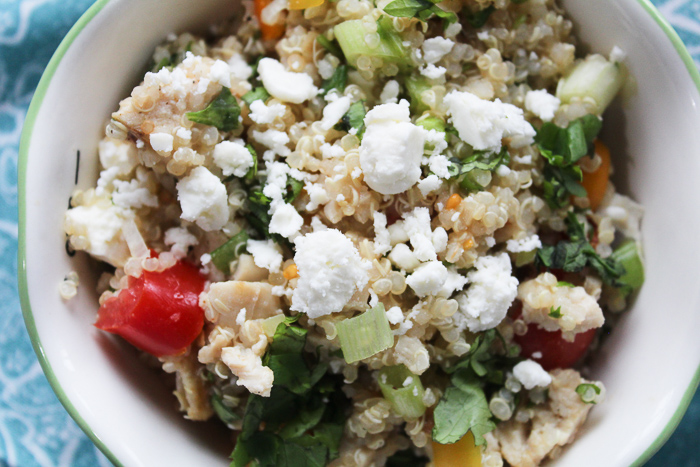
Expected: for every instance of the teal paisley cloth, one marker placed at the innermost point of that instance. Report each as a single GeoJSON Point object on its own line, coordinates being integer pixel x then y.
{"type": "Point", "coordinates": [35, 430]}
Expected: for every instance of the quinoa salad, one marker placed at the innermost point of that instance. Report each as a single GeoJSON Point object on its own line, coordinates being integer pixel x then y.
{"type": "Point", "coordinates": [365, 233]}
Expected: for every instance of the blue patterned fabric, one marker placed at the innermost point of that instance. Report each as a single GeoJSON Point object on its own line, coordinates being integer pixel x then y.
{"type": "Point", "coordinates": [35, 430]}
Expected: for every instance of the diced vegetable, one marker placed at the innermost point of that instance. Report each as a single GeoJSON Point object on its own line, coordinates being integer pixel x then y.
{"type": "Point", "coordinates": [337, 81]}
{"type": "Point", "coordinates": [365, 335]}
{"type": "Point", "coordinates": [588, 393]}
{"type": "Point", "coordinates": [463, 452]}
{"type": "Point", "coordinates": [224, 413]}
{"type": "Point", "coordinates": [269, 31]}
{"type": "Point", "coordinates": [259, 93]}
{"type": "Point", "coordinates": [431, 122]}
{"type": "Point", "coordinates": [229, 251]}
{"type": "Point", "coordinates": [415, 87]}
{"type": "Point", "coordinates": [596, 182]}
{"type": "Point", "coordinates": [303, 4]}
{"type": "Point", "coordinates": [628, 256]}
{"type": "Point", "coordinates": [403, 390]}
{"type": "Point", "coordinates": [596, 78]}
{"type": "Point", "coordinates": [351, 38]}
{"type": "Point", "coordinates": [222, 112]}
{"type": "Point", "coordinates": [556, 352]}
{"type": "Point", "coordinates": [330, 46]}
{"type": "Point", "coordinates": [270, 324]}
{"type": "Point", "coordinates": [158, 312]}
{"type": "Point", "coordinates": [421, 9]}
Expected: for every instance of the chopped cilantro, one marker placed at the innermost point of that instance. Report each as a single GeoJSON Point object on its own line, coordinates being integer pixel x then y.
{"type": "Point", "coordinates": [354, 118]}
{"type": "Point", "coordinates": [576, 253]}
{"type": "Point", "coordinates": [421, 9]}
{"type": "Point", "coordinates": [253, 171]}
{"type": "Point", "coordinates": [259, 93]}
{"type": "Point", "coordinates": [479, 160]}
{"type": "Point", "coordinates": [259, 206]}
{"type": "Point", "coordinates": [222, 256]}
{"type": "Point", "coordinates": [222, 411]}
{"type": "Point", "coordinates": [556, 314]}
{"type": "Point", "coordinates": [337, 81]}
{"type": "Point", "coordinates": [330, 46]}
{"type": "Point", "coordinates": [304, 416]}
{"type": "Point", "coordinates": [222, 112]}
{"type": "Point", "coordinates": [479, 18]}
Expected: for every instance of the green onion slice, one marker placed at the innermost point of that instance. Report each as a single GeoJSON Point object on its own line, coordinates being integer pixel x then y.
{"type": "Point", "coordinates": [403, 390]}
{"type": "Point", "coordinates": [365, 335]}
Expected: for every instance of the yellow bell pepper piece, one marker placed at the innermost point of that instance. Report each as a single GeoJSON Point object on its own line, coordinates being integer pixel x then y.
{"type": "Point", "coordinates": [463, 453]}
{"type": "Point", "coordinates": [303, 4]}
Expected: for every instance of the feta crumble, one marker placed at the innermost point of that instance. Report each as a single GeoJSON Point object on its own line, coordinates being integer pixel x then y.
{"type": "Point", "coordinates": [266, 254]}
{"type": "Point", "coordinates": [203, 199]}
{"type": "Point", "coordinates": [542, 104]}
{"type": "Point", "coordinates": [392, 149]}
{"type": "Point", "coordinates": [265, 114]}
{"type": "Point", "coordinates": [531, 375]}
{"type": "Point", "coordinates": [330, 272]}
{"type": "Point", "coordinates": [428, 278]}
{"type": "Point", "coordinates": [161, 142]}
{"type": "Point", "coordinates": [524, 245]}
{"type": "Point", "coordinates": [286, 86]}
{"type": "Point", "coordinates": [233, 158]}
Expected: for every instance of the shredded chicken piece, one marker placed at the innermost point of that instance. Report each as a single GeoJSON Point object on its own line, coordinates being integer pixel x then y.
{"type": "Point", "coordinates": [553, 425]}
{"type": "Point", "coordinates": [579, 311]}
{"type": "Point", "coordinates": [190, 388]}
{"type": "Point", "coordinates": [225, 300]}
{"type": "Point", "coordinates": [248, 367]}
{"type": "Point", "coordinates": [247, 271]}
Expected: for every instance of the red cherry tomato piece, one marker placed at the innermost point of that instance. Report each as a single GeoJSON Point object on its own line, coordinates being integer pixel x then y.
{"type": "Point", "coordinates": [158, 312]}
{"type": "Point", "coordinates": [556, 352]}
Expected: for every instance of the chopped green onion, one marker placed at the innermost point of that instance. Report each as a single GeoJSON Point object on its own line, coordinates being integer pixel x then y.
{"type": "Point", "coordinates": [627, 255]}
{"type": "Point", "coordinates": [403, 390]}
{"type": "Point", "coordinates": [365, 335]}
{"type": "Point", "coordinates": [351, 38]}
{"type": "Point", "coordinates": [596, 78]}
{"type": "Point", "coordinates": [229, 251]}
{"type": "Point", "coordinates": [330, 46]}
{"type": "Point", "coordinates": [588, 393]}
{"type": "Point", "coordinates": [415, 88]}
{"type": "Point", "coordinates": [565, 284]}
{"type": "Point", "coordinates": [431, 122]}
{"type": "Point", "coordinates": [222, 410]}
{"type": "Point", "coordinates": [525, 257]}
{"type": "Point", "coordinates": [269, 325]}
{"type": "Point", "coordinates": [222, 113]}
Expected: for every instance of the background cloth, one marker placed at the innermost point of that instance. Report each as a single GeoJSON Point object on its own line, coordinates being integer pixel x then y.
{"type": "Point", "coordinates": [35, 430]}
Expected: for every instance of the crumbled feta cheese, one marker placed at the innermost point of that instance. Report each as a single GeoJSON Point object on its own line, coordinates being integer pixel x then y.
{"type": "Point", "coordinates": [436, 48]}
{"type": "Point", "coordinates": [439, 239]}
{"type": "Point", "coordinates": [317, 196]}
{"type": "Point", "coordinates": [101, 225]}
{"type": "Point", "coordinates": [203, 199]}
{"type": "Point", "coordinates": [162, 142]}
{"type": "Point", "coordinates": [180, 240]}
{"type": "Point", "coordinates": [490, 241]}
{"type": "Point", "coordinates": [220, 73]}
{"type": "Point", "coordinates": [417, 226]}
{"type": "Point", "coordinates": [398, 233]}
{"type": "Point", "coordinates": [275, 140]}
{"type": "Point", "coordinates": [431, 71]}
{"type": "Point", "coordinates": [118, 154]}
{"type": "Point", "coordinates": [233, 158]}
{"type": "Point", "coordinates": [391, 150]}
{"type": "Point", "coordinates": [183, 133]}
{"type": "Point", "coordinates": [240, 319]}
{"type": "Point", "coordinates": [239, 68]}
{"type": "Point", "coordinates": [617, 55]}
{"type": "Point", "coordinates": [429, 184]}
{"type": "Point", "coordinates": [205, 259]}
{"type": "Point", "coordinates": [403, 258]}
{"type": "Point", "coordinates": [382, 242]}
{"type": "Point", "coordinates": [483, 124]}
{"type": "Point", "coordinates": [333, 112]}
{"type": "Point", "coordinates": [330, 272]}
{"type": "Point", "coordinates": [317, 224]}
{"type": "Point", "coordinates": [531, 375]}
{"type": "Point", "coordinates": [326, 68]}
{"type": "Point", "coordinates": [390, 93]}
{"type": "Point", "coordinates": [428, 278]}
{"type": "Point", "coordinates": [266, 254]}
{"type": "Point", "coordinates": [394, 315]}
{"type": "Point", "coordinates": [285, 85]}
{"type": "Point", "coordinates": [542, 104]}
{"type": "Point", "coordinates": [503, 170]}
{"type": "Point", "coordinates": [454, 283]}
{"type": "Point", "coordinates": [485, 303]}
{"type": "Point", "coordinates": [439, 165]}
{"type": "Point", "coordinates": [134, 193]}
{"type": "Point", "coordinates": [265, 114]}
{"type": "Point", "coordinates": [537, 355]}
{"type": "Point", "coordinates": [248, 367]}
{"type": "Point", "coordinates": [524, 245]}
{"type": "Point", "coordinates": [331, 151]}
{"type": "Point", "coordinates": [285, 220]}
{"type": "Point", "coordinates": [453, 29]}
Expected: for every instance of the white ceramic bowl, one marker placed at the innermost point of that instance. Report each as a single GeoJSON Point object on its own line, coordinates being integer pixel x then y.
{"type": "Point", "coordinates": [649, 364]}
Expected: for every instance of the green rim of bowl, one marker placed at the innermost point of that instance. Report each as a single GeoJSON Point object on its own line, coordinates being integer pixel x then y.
{"type": "Point", "coordinates": [25, 139]}
{"type": "Point", "coordinates": [22, 270]}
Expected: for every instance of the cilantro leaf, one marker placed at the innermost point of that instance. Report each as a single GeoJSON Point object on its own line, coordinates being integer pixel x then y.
{"type": "Point", "coordinates": [331, 46]}
{"type": "Point", "coordinates": [478, 160]}
{"type": "Point", "coordinates": [421, 9]}
{"type": "Point", "coordinates": [259, 206]}
{"type": "Point", "coordinates": [479, 18]}
{"type": "Point", "coordinates": [562, 148]}
{"type": "Point", "coordinates": [337, 81]}
{"type": "Point", "coordinates": [462, 409]}
{"type": "Point", "coordinates": [354, 118]}
{"type": "Point", "coordinates": [222, 112]}
{"type": "Point", "coordinates": [259, 93]}
{"type": "Point", "coordinates": [253, 171]}
{"type": "Point", "coordinates": [556, 314]}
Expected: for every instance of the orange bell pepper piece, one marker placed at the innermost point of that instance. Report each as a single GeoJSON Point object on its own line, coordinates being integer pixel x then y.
{"type": "Point", "coordinates": [596, 182]}
{"type": "Point", "coordinates": [303, 4]}
{"type": "Point", "coordinates": [269, 31]}
{"type": "Point", "coordinates": [463, 453]}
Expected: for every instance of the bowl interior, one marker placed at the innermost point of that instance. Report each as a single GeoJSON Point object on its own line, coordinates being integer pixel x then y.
{"type": "Point", "coordinates": [647, 364]}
